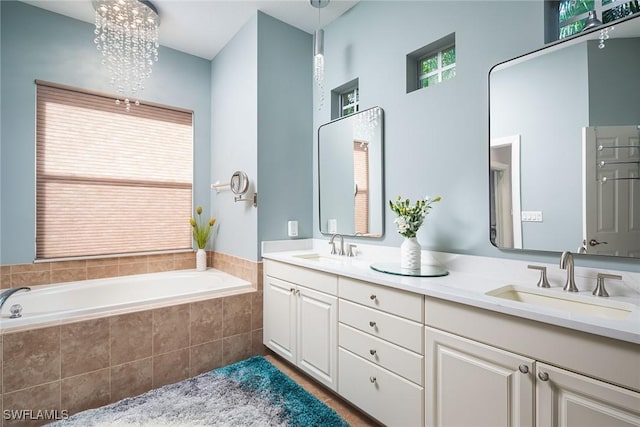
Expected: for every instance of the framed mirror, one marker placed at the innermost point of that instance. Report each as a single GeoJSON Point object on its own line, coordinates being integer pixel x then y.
{"type": "Point", "coordinates": [564, 161]}
{"type": "Point", "coordinates": [239, 183]}
{"type": "Point", "coordinates": [350, 174]}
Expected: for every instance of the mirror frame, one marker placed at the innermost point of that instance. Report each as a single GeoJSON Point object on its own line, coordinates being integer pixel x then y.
{"type": "Point", "coordinates": [380, 179]}
{"type": "Point", "coordinates": [589, 35]}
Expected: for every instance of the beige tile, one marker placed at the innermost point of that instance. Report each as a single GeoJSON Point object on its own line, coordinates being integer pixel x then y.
{"type": "Point", "coordinates": [170, 368]}
{"type": "Point", "coordinates": [5, 281]}
{"type": "Point", "coordinates": [68, 275]}
{"type": "Point", "coordinates": [256, 310]}
{"type": "Point", "coordinates": [131, 337]}
{"type": "Point", "coordinates": [30, 268]}
{"type": "Point", "coordinates": [129, 269]}
{"type": "Point", "coordinates": [5, 269]}
{"type": "Point", "coordinates": [257, 347]}
{"type": "Point", "coordinates": [84, 346]}
{"type": "Point", "coordinates": [66, 265]}
{"type": "Point", "coordinates": [86, 391]}
{"type": "Point", "coordinates": [170, 328]}
{"type": "Point", "coordinates": [186, 260]}
{"type": "Point", "coordinates": [206, 357]}
{"type": "Point", "coordinates": [102, 271]}
{"type": "Point", "coordinates": [206, 321]}
{"type": "Point", "coordinates": [30, 358]}
{"type": "Point", "coordinates": [38, 398]}
{"type": "Point", "coordinates": [131, 379]}
{"type": "Point", "coordinates": [156, 266]}
{"type": "Point", "coordinates": [30, 279]}
{"type": "Point", "coordinates": [236, 348]}
{"type": "Point", "coordinates": [101, 262]}
{"type": "Point", "coordinates": [236, 312]}
{"type": "Point", "coordinates": [133, 259]}
{"type": "Point", "coordinates": [351, 415]}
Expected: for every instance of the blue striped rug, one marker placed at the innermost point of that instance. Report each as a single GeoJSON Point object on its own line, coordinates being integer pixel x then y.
{"type": "Point", "coordinates": [252, 392]}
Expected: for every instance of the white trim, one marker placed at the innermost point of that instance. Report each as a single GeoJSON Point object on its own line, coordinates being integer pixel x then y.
{"type": "Point", "coordinates": [516, 210]}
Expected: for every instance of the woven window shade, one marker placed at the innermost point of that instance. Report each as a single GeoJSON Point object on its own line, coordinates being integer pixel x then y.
{"type": "Point", "coordinates": [110, 181]}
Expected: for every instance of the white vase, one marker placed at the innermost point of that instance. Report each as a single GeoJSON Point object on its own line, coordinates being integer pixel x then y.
{"type": "Point", "coordinates": [410, 251]}
{"type": "Point", "coordinates": [201, 260]}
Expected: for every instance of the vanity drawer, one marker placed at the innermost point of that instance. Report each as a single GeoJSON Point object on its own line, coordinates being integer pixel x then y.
{"type": "Point", "coordinates": [396, 359]}
{"type": "Point", "coordinates": [395, 329]}
{"type": "Point", "coordinates": [395, 301]}
{"type": "Point", "coordinates": [317, 280]}
{"type": "Point", "coordinates": [385, 396]}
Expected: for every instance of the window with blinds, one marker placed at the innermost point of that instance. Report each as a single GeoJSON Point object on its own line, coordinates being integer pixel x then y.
{"type": "Point", "coordinates": [110, 181]}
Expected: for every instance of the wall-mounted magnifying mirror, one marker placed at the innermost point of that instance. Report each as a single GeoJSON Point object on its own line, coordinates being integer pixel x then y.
{"type": "Point", "coordinates": [350, 153]}
{"type": "Point", "coordinates": [565, 145]}
{"type": "Point", "coordinates": [239, 183]}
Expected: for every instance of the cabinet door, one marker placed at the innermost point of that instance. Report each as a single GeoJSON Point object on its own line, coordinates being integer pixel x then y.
{"type": "Point", "coordinates": [472, 384]}
{"type": "Point", "coordinates": [568, 399]}
{"type": "Point", "coordinates": [317, 335]}
{"type": "Point", "coordinates": [280, 317]}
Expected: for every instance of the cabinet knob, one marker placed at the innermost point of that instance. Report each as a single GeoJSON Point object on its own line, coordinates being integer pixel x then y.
{"type": "Point", "coordinates": [373, 297]}
{"type": "Point", "coordinates": [372, 323]}
{"type": "Point", "coordinates": [292, 290]}
{"type": "Point", "coordinates": [543, 376]}
{"type": "Point", "coordinates": [372, 352]}
{"type": "Point", "coordinates": [524, 369]}
{"type": "Point", "coordinates": [372, 379]}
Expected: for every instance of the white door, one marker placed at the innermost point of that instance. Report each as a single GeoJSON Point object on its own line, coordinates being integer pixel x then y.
{"type": "Point", "coordinates": [472, 384]}
{"type": "Point", "coordinates": [317, 335]}
{"type": "Point", "coordinates": [611, 190]}
{"type": "Point", "coordinates": [279, 332]}
{"type": "Point", "coordinates": [566, 399]}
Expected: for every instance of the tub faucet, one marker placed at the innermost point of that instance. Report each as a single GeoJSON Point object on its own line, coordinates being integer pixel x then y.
{"type": "Point", "coordinates": [566, 263]}
{"type": "Point", "coordinates": [333, 245]}
{"type": "Point", "coordinates": [4, 296]}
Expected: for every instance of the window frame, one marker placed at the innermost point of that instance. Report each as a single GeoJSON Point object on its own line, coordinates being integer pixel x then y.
{"type": "Point", "coordinates": [440, 68]}
{"type": "Point", "coordinates": [356, 104]}
{"type": "Point", "coordinates": [154, 111]}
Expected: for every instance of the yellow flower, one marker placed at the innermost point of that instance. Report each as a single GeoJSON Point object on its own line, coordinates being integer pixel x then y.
{"type": "Point", "coordinates": [199, 210]}
{"type": "Point", "coordinates": [192, 222]}
{"type": "Point", "coordinates": [212, 221]}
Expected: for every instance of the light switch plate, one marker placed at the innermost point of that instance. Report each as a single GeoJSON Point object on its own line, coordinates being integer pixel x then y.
{"type": "Point", "coordinates": [292, 227]}
{"type": "Point", "coordinates": [531, 216]}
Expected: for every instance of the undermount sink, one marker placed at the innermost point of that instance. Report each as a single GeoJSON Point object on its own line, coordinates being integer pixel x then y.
{"type": "Point", "coordinates": [577, 304]}
{"type": "Point", "coordinates": [317, 257]}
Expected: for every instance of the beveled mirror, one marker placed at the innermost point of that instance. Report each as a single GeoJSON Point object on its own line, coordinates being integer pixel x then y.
{"type": "Point", "coordinates": [350, 174]}
{"type": "Point", "coordinates": [564, 145]}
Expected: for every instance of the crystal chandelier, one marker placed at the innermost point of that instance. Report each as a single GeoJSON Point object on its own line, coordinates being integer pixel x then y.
{"type": "Point", "coordinates": [127, 36]}
{"type": "Point", "coordinates": [318, 52]}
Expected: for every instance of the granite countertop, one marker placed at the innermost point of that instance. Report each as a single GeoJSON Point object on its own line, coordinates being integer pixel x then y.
{"type": "Point", "coordinates": [470, 277]}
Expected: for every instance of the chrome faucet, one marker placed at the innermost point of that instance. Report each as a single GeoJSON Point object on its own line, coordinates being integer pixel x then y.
{"type": "Point", "coordinates": [4, 296]}
{"type": "Point", "coordinates": [333, 245]}
{"type": "Point", "coordinates": [566, 263]}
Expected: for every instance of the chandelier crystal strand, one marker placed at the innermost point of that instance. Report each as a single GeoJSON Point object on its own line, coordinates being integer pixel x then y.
{"type": "Point", "coordinates": [127, 36]}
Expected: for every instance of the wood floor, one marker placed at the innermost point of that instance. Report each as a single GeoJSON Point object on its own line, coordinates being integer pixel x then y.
{"type": "Point", "coordinates": [350, 414]}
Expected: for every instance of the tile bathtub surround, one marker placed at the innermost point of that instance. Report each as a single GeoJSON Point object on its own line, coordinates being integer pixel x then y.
{"type": "Point", "coordinates": [76, 366]}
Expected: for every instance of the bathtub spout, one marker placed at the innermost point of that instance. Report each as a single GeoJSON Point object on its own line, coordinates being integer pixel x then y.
{"type": "Point", "coordinates": [4, 296]}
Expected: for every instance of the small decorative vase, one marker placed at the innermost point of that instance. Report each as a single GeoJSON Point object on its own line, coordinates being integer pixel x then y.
{"type": "Point", "coordinates": [410, 254]}
{"type": "Point", "coordinates": [201, 260]}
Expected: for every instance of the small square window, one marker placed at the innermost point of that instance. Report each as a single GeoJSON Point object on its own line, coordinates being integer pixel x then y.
{"type": "Point", "coordinates": [438, 67]}
{"type": "Point", "coordinates": [349, 101]}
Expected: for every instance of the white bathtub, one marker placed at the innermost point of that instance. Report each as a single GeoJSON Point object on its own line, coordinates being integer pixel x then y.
{"type": "Point", "coordinates": [89, 298]}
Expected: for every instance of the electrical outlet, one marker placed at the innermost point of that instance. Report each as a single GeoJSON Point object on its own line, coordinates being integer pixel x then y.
{"type": "Point", "coordinates": [531, 216]}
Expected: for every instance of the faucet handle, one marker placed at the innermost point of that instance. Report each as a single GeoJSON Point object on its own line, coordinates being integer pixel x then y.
{"type": "Point", "coordinates": [333, 247]}
{"type": "Point", "coordinates": [542, 282]}
{"type": "Point", "coordinates": [600, 290]}
{"type": "Point", "coordinates": [350, 247]}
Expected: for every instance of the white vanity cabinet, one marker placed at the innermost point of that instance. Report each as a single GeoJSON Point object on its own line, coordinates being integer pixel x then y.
{"type": "Point", "coordinates": [491, 369]}
{"type": "Point", "coordinates": [300, 318]}
{"type": "Point", "coordinates": [380, 355]}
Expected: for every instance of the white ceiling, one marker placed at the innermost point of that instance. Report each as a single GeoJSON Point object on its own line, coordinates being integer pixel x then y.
{"type": "Point", "coordinates": [203, 27]}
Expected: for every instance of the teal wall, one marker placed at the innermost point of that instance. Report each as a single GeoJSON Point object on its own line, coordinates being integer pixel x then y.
{"type": "Point", "coordinates": [261, 123]}
{"type": "Point", "coordinates": [436, 139]}
{"type": "Point", "coordinates": [37, 44]}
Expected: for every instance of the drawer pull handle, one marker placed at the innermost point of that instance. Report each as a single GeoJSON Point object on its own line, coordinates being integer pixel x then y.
{"type": "Point", "coordinates": [372, 323]}
{"type": "Point", "coordinates": [372, 352]}
{"type": "Point", "coordinates": [292, 290]}
{"type": "Point", "coordinates": [372, 297]}
{"type": "Point", "coordinates": [524, 369]}
{"type": "Point", "coordinates": [372, 379]}
{"type": "Point", "coordinates": [543, 376]}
